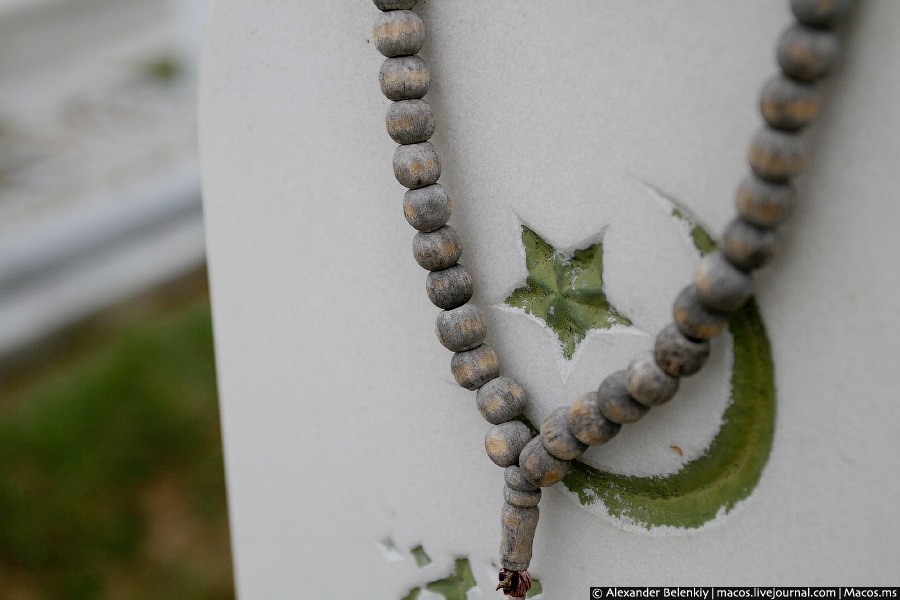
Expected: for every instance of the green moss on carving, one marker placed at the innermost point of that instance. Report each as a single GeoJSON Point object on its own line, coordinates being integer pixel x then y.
{"type": "Point", "coordinates": [421, 557]}
{"type": "Point", "coordinates": [701, 238]}
{"type": "Point", "coordinates": [452, 587]}
{"type": "Point", "coordinates": [565, 291]}
{"type": "Point", "coordinates": [456, 585]}
{"type": "Point", "coordinates": [730, 468]}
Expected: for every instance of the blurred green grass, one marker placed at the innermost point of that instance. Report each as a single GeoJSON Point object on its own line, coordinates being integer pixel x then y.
{"type": "Point", "coordinates": [111, 472]}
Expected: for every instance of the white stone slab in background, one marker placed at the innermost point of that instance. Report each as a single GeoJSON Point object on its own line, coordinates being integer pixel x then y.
{"type": "Point", "coordinates": [344, 431]}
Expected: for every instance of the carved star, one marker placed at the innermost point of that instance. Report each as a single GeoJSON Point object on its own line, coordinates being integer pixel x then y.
{"type": "Point", "coordinates": [565, 291]}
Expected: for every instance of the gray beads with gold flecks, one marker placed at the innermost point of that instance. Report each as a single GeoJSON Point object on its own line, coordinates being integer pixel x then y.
{"type": "Point", "coordinates": [820, 13]}
{"type": "Point", "coordinates": [695, 320]}
{"type": "Point", "coordinates": [517, 526]}
{"type": "Point", "coordinates": [720, 285]}
{"type": "Point", "coordinates": [677, 355]}
{"type": "Point", "coordinates": [520, 498]}
{"type": "Point", "coordinates": [438, 249]}
{"type": "Point", "coordinates": [399, 33]}
{"type": "Point", "coordinates": [616, 404]}
{"type": "Point", "coordinates": [516, 480]}
{"type": "Point", "coordinates": [588, 424]}
{"type": "Point", "coordinates": [473, 368]}
{"type": "Point", "coordinates": [776, 155]}
{"type": "Point", "coordinates": [789, 104]}
{"type": "Point", "coordinates": [449, 288]}
{"type": "Point", "coordinates": [404, 78]}
{"type": "Point", "coordinates": [558, 439]}
{"type": "Point", "coordinates": [504, 442]}
{"type": "Point", "coordinates": [500, 400]}
{"type": "Point", "coordinates": [427, 208]}
{"type": "Point", "coordinates": [461, 328]}
{"type": "Point", "coordinates": [747, 246]}
{"type": "Point", "coordinates": [764, 203]}
{"type": "Point", "coordinates": [410, 121]}
{"type": "Point", "coordinates": [539, 466]}
{"type": "Point", "coordinates": [647, 383]}
{"type": "Point", "coordinates": [416, 165]}
{"type": "Point", "coordinates": [395, 4]}
{"type": "Point", "coordinates": [807, 54]}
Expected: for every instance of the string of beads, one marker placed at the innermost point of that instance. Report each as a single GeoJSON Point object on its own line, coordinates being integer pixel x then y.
{"type": "Point", "coordinates": [722, 283]}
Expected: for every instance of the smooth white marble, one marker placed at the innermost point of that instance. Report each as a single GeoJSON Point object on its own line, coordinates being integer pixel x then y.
{"type": "Point", "coordinates": [345, 434]}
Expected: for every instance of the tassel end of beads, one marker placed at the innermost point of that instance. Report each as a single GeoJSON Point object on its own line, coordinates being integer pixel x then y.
{"type": "Point", "coordinates": [515, 584]}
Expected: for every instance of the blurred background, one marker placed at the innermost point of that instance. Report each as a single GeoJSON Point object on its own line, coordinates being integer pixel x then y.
{"type": "Point", "coordinates": [111, 478]}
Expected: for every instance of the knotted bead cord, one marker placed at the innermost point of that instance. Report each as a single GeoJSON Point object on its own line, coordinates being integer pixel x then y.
{"type": "Point", "coordinates": [789, 102]}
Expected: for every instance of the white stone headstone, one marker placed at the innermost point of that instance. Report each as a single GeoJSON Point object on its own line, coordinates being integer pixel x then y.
{"type": "Point", "coordinates": [348, 444]}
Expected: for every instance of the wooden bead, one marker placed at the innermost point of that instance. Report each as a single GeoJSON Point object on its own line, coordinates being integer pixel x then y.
{"type": "Point", "coordinates": [695, 320]}
{"type": "Point", "coordinates": [789, 104]}
{"type": "Point", "coordinates": [720, 285]}
{"type": "Point", "coordinates": [473, 368]}
{"type": "Point", "coordinates": [539, 466]}
{"type": "Point", "coordinates": [461, 328]}
{"type": "Point", "coordinates": [807, 54]}
{"type": "Point", "coordinates": [520, 498]}
{"type": "Point", "coordinates": [820, 13]}
{"type": "Point", "coordinates": [678, 355]}
{"type": "Point", "coordinates": [438, 249]}
{"type": "Point", "coordinates": [500, 400]}
{"type": "Point", "coordinates": [427, 208]}
{"type": "Point", "coordinates": [588, 424]}
{"type": "Point", "coordinates": [404, 78]}
{"type": "Point", "coordinates": [747, 246]}
{"type": "Point", "coordinates": [410, 121]}
{"type": "Point", "coordinates": [616, 404]}
{"type": "Point", "coordinates": [416, 165]}
{"type": "Point", "coordinates": [517, 526]}
{"type": "Point", "coordinates": [764, 203]}
{"type": "Point", "coordinates": [395, 4]}
{"type": "Point", "coordinates": [775, 155]}
{"type": "Point", "coordinates": [558, 439]}
{"type": "Point", "coordinates": [449, 288]}
{"type": "Point", "coordinates": [399, 33]}
{"type": "Point", "coordinates": [516, 480]}
{"type": "Point", "coordinates": [647, 383]}
{"type": "Point", "coordinates": [504, 442]}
